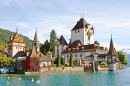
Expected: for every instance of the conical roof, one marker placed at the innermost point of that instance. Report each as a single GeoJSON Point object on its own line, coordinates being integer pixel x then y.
{"type": "Point", "coordinates": [35, 38]}
{"type": "Point", "coordinates": [81, 24]}
{"type": "Point", "coordinates": [33, 53]}
{"type": "Point", "coordinates": [17, 38]}
{"type": "Point", "coordinates": [62, 40]}
{"type": "Point", "coordinates": [111, 48]}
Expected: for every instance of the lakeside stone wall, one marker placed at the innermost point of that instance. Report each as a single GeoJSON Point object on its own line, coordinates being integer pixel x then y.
{"type": "Point", "coordinates": [60, 70]}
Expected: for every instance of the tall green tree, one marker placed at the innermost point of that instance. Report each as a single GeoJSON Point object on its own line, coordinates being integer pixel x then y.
{"type": "Point", "coordinates": [71, 59]}
{"type": "Point", "coordinates": [70, 42]}
{"type": "Point", "coordinates": [53, 39]}
{"type": "Point", "coordinates": [45, 47]}
{"type": "Point", "coordinates": [58, 60]}
{"type": "Point", "coordinates": [122, 57]}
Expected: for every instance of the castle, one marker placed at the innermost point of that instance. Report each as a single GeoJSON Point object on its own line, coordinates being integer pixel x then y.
{"type": "Point", "coordinates": [83, 47]}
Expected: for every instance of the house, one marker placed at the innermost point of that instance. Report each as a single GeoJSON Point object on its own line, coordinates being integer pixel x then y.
{"type": "Point", "coordinates": [32, 60]}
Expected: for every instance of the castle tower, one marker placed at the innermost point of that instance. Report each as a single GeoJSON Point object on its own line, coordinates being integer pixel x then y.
{"type": "Point", "coordinates": [35, 42]}
{"type": "Point", "coordinates": [83, 31]}
{"type": "Point", "coordinates": [15, 45]}
{"type": "Point", "coordinates": [112, 57]}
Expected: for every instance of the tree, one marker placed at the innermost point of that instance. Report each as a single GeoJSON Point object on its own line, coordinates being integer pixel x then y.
{"type": "Point", "coordinates": [58, 60]}
{"type": "Point", "coordinates": [6, 61]}
{"type": "Point", "coordinates": [45, 47]}
{"type": "Point", "coordinates": [1, 46]}
{"type": "Point", "coordinates": [53, 39]}
{"type": "Point", "coordinates": [122, 57]}
{"type": "Point", "coordinates": [71, 59]}
{"type": "Point", "coordinates": [70, 42]}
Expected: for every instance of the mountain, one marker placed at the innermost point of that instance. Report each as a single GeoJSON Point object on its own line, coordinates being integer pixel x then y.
{"type": "Point", "coordinates": [5, 37]}
{"type": "Point", "coordinates": [127, 53]}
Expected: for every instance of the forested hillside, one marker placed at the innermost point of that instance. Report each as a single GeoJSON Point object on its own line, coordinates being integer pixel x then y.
{"type": "Point", "coordinates": [5, 37]}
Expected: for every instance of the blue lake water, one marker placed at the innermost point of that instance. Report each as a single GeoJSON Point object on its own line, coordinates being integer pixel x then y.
{"type": "Point", "coordinates": [104, 78]}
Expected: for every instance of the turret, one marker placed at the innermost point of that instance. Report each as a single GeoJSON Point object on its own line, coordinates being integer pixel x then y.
{"type": "Point", "coordinates": [35, 42]}
{"type": "Point", "coordinates": [112, 55]}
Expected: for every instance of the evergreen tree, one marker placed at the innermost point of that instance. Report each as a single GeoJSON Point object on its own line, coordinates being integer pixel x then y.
{"type": "Point", "coordinates": [70, 42]}
{"type": "Point", "coordinates": [71, 59]}
{"type": "Point", "coordinates": [58, 60]}
{"type": "Point", "coordinates": [45, 47]}
{"type": "Point", "coordinates": [122, 57]}
{"type": "Point", "coordinates": [53, 39]}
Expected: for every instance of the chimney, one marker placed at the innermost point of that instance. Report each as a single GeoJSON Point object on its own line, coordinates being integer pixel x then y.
{"type": "Point", "coordinates": [77, 49]}
{"type": "Point", "coordinates": [27, 49]}
{"type": "Point", "coordinates": [69, 49]}
{"type": "Point", "coordinates": [24, 49]}
{"type": "Point", "coordinates": [73, 49]}
{"type": "Point", "coordinates": [65, 50]}
{"type": "Point", "coordinates": [82, 48]}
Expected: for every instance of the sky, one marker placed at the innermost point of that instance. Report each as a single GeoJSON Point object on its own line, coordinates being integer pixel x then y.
{"type": "Point", "coordinates": [106, 16]}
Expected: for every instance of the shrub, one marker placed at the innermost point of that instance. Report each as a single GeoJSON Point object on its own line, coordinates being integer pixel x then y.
{"type": "Point", "coordinates": [66, 65]}
{"type": "Point", "coordinates": [119, 62]}
{"type": "Point", "coordinates": [90, 60]}
{"type": "Point", "coordinates": [49, 66]}
{"type": "Point", "coordinates": [54, 65]}
{"type": "Point", "coordinates": [62, 65]}
{"type": "Point", "coordinates": [105, 63]}
{"type": "Point", "coordinates": [84, 60]}
{"type": "Point", "coordinates": [72, 65]}
{"type": "Point", "coordinates": [104, 66]}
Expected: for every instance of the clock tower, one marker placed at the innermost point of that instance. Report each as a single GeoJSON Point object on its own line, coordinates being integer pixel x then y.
{"type": "Point", "coordinates": [83, 31]}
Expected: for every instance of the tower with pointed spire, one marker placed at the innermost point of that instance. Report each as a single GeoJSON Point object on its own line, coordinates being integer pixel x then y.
{"type": "Point", "coordinates": [15, 44]}
{"type": "Point", "coordinates": [35, 42]}
{"type": "Point", "coordinates": [112, 55]}
{"type": "Point", "coordinates": [83, 31]}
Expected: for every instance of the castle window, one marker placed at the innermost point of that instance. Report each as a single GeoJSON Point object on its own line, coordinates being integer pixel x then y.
{"type": "Point", "coordinates": [78, 31]}
{"type": "Point", "coordinates": [80, 54]}
{"type": "Point", "coordinates": [75, 54]}
{"type": "Point", "coordinates": [16, 47]}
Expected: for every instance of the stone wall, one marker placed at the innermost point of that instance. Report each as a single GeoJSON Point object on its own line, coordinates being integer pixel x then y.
{"type": "Point", "coordinates": [60, 70]}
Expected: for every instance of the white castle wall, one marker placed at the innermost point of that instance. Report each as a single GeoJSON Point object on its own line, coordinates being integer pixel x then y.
{"type": "Point", "coordinates": [61, 49]}
{"type": "Point", "coordinates": [78, 35]}
{"type": "Point", "coordinates": [81, 34]}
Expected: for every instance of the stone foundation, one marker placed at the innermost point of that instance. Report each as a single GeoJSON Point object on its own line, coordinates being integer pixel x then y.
{"type": "Point", "coordinates": [60, 70]}
{"type": "Point", "coordinates": [114, 66]}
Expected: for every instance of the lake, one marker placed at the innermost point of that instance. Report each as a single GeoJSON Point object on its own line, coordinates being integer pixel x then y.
{"type": "Point", "coordinates": [104, 78]}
